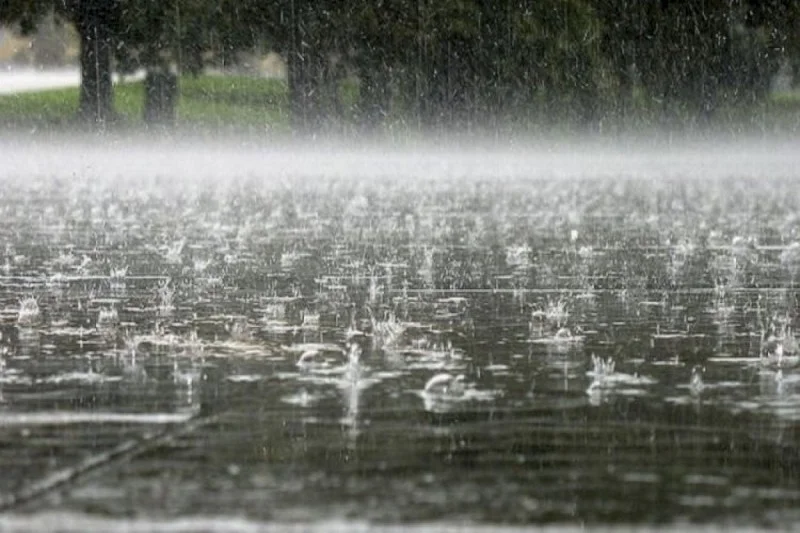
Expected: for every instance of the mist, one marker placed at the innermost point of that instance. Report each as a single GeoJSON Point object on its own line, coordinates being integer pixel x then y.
{"type": "Point", "coordinates": [129, 159]}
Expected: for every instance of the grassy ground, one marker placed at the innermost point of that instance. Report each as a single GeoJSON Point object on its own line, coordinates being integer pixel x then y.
{"type": "Point", "coordinates": [239, 104]}
{"type": "Point", "coordinates": [212, 103]}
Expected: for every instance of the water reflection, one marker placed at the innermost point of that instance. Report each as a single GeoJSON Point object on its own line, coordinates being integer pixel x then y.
{"type": "Point", "coordinates": [352, 386]}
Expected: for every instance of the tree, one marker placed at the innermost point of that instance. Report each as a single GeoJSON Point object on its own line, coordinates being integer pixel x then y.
{"type": "Point", "coordinates": [26, 14]}
{"type": "Point", "coordinates": [694, 57]}
{"type": "Point", "coordinates": [448, 63]}
{"type": "Point", "coordinates": [468, 62]}
{"type": "Point", "coordinates": [95, 22]}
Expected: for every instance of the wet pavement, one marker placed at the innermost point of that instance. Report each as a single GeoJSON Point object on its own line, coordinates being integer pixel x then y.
{"type": "Point", "coordinates": [278, 349]}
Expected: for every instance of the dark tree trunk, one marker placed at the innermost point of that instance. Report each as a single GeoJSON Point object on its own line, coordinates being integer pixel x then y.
{"type": "Point", "coordinates": [93, 21]}
{"type": "Point", "coordinates": [302, 63]}
{"type": "Point", "coordinates": [433, 107]}
{"type": "Point", "coordinates": [160, 97]}
{"type": "Point", "coordinates": [429, 72]}
{"type": "Point", "coordinates": [302, 106]}
{"type": "Point", "coordinates": [624, 104]}
{"type": "Point", "coordinates": [374, 92]}
{"type": "Point", "coordinates": [586, 92]}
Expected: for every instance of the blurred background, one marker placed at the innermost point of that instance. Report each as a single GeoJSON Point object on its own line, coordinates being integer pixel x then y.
{"type": "Point", "coordinates": [404, 66]}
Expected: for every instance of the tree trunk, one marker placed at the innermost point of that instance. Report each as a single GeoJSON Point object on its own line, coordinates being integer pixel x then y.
{"type": "Point", "coordinates": [374, 92]}
{"type": "Point", "coordinates": [160, 97]}
{"type": "Point", "coordinates": [433, 97]}
{"type": "Point", "coordinates": [93, 22]}
{"type": "Point", "coordinates": [302, 62]}
{"type": "Point", "coordinates": [300, 87]}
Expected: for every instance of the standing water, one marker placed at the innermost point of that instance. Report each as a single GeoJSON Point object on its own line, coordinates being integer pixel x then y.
{"type": "Point", "coordinates": [222, 338]}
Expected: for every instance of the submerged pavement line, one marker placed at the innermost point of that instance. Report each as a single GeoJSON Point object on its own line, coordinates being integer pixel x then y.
{"type": "Point", "coordinates": [124, 451]}
{"type": "Point", "coordinates": [60, 418]}
{"type": "Point", "coordinates": [85, 523]}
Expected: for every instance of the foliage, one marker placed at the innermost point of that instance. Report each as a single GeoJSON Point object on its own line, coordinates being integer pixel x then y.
{"type": "Point", "coordinates": [465, 63]}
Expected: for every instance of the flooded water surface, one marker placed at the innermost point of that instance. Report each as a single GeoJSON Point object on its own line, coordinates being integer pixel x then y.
{"type": "Point", "coordinates": [392, 339]}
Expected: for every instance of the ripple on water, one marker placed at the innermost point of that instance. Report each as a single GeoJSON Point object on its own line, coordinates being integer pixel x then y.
{"type": "Point", "coordinates": [304, 398]}
{"type": "Point", "coordinates": [443, 403]}
{"type": "Point", "coordinates": [244, 378]}
{"type": "Point", "coordinates": [252, 270]}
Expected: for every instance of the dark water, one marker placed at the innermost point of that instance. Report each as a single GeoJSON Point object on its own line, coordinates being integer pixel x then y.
{"type": "Point", "coordinates": [157, 374]}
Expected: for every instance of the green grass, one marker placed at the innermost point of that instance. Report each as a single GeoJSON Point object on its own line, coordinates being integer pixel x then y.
{"type": "Point", "coordinates": [233, 102]}
{"type": "Point", "coordinates": [45, 107]}
{"type": "Point", "coordinates": [240, 104]}
{"type": "Point", "coordinates": [228, 103]}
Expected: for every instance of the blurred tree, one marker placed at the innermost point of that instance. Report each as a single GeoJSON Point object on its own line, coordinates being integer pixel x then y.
{"type": "Point", "coordinates": [376, 38]}
{"type": "Point", "coordinates": [25, 14]}
{"type": "Point", "coordinates": [777, 24]}
{"type": "Point", "coordinates": [95, 22]}
{"type": "Point", "coordinates": [468, 62]}
{"type": "Point", "coordinates": [51, 42]}
{"type": "Point", "coordinates": [693, 57]}
{"type": "Point", "coordinates": [303, 50]}
{"type": "Point", "coordinates": [449, 63]}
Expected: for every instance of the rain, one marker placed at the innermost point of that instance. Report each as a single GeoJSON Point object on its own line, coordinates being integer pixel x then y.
{"type": "Point", "coordinates": [399, 265]}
